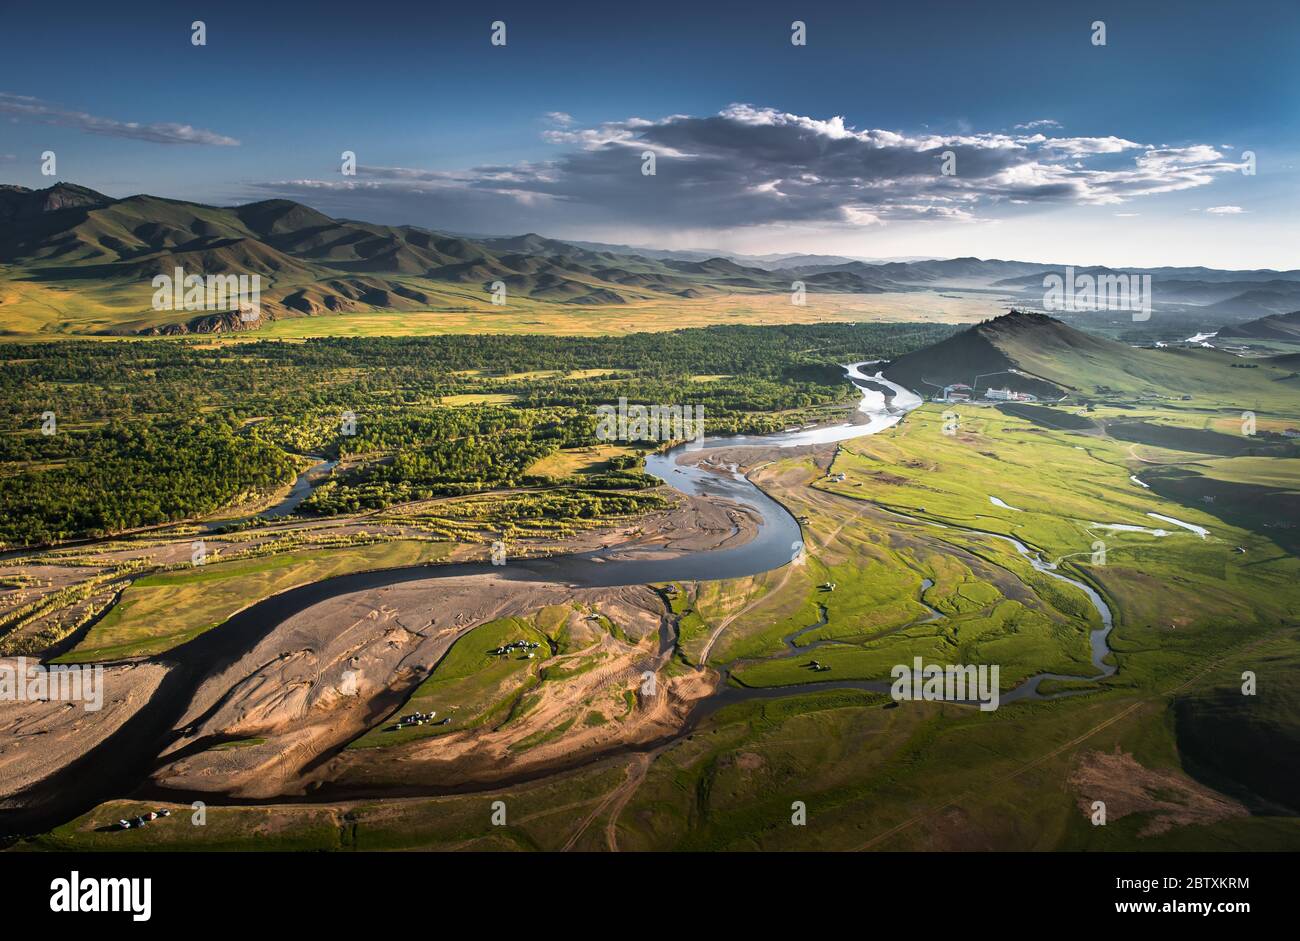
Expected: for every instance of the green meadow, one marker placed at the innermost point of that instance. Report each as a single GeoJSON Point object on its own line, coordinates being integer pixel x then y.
{"type": "Point", "coordinates": [471, 685]}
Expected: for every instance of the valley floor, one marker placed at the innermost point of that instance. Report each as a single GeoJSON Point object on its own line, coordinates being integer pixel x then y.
{"type": "Point", "coordinates": [736, 728]}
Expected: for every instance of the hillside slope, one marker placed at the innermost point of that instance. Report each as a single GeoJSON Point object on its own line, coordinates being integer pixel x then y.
{"type": "Point", "coordinates": [68, 250]}
{"type": "Point", "coordinates": [1034, 353]}
{"type": "Point", "coordinates": [75, 261]}
{"type": "Point", "coordinates": [994, 354]}
{"type": "Point", "coordinates": [1274, 327]}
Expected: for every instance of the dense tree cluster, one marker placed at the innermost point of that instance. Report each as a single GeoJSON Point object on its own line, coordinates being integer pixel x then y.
{"type": "Point", "coordinates": [160, 430]}
{"type": "Point", "coordinates": [124, 475]}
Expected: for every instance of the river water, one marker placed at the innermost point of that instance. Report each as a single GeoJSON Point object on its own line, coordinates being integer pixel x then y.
{"type": "Point", "coordinates": [122, 761]}
{"type": "Point", "coordinates": [777, 541]}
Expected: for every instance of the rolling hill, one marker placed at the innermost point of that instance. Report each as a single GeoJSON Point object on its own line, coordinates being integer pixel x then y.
{"type": "Point", "coordinates": [1037, 354]}
{"type": "Point", "coordinates": [68, 241]}
{"type": "Point", "coordinates": [1208, 292]}
{"type": "Point", "coordinates": [73, 260]}
{"type": "Point", "coordinates": [1284, 327]}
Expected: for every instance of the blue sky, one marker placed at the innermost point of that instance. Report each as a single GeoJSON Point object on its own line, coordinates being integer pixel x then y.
{"type": "Point", "coordinates": [1065, 151]}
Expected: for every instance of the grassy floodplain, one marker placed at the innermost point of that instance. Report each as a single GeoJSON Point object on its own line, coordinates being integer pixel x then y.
{"type": "Point", "coordinates": [1191, 615]}
{"type": "Point", "coordinates": [1061, 490]}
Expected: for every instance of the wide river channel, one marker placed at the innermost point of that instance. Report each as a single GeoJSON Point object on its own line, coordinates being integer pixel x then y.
{"type": "Point", "coordinates": [883, 404]}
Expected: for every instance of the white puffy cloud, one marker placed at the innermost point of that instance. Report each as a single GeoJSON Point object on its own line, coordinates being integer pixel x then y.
{"type": "Point", "coordinates": [749, 166]}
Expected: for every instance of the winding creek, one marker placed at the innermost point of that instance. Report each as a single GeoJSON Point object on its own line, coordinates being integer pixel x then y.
{"type": "Point", "coordinates": [124, 760]}
{"type": "Point", "coordinates": [301, 489]}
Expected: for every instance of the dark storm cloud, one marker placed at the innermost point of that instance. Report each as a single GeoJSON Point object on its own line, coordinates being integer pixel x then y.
{"type": "Point", "coordinates": [752, 166]}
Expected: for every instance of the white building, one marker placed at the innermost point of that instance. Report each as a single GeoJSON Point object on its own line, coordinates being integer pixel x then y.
{"type": "Point", "coordinates": [1006, 395]}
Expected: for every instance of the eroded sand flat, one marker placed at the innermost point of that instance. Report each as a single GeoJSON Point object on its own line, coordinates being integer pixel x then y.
{"type": "Point", "coordinates": [39, 738]}
{"type": "Point", "coordinates": [329, 673]}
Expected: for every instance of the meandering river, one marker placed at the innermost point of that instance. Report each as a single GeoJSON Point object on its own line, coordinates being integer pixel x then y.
{"type": "Point", "coordinates": [120, 763]}
{"type": "Point", "coordinates": [882, 405]}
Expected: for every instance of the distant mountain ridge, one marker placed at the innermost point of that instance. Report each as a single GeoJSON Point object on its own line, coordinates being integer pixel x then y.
{"type": "Point", "coordinates": [1212, 292]}
{"type": "Point", "coordinates": [770, 261]}
{"type": "Point", "coordinates": [68, 240]}
{"type": "Point", "coordinates": [313, 263]}
{"type": "Point", "coordinates": [1284, 327]}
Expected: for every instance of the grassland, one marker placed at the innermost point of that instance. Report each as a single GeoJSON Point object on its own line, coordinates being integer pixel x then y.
{"type": "Point", "coordinates": [1063, 485]}
{"type": "Point", "coordinates": [872, 775]}
{"type": "Point", "coordinates": [579, 460]}
{"type": "Point", "coordinates": [83, 313]}
{"type": "Point", "coordinates": [484, 686]}
{"type": "Point", "coordinates": [540, 317]}
{"type": "Point", "coordinates": [1244, 744]}
{"type": "Point", "coordinates": [478, 398]}
{"type": "Point", "coordinates": [927, 777]}
{"type": "Point", "coordinates": [1192, 614]}
{"type": "Point", "coordinates": [538, 816]}
{"type": "Point", "coordinates": [919, 776]}
{"type": "Point", "coordinates": [941, 589]}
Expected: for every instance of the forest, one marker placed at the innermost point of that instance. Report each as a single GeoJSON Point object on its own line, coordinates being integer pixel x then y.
{"type": "Point", "coordinates": [155, 431]}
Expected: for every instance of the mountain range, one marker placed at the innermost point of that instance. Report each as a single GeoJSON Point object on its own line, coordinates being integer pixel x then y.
{"type": "Point", "coordinates": [311, 263]}
{"type": "Point", "coordinates": [68, 247]}
{"type": "Point", "coordinates": [1231, 295]}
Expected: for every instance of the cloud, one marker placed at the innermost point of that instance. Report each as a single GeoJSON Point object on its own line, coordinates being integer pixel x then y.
{"type": "Point", "coordinates": [755, 166]}
{"type": "Point", "coordinates": [158, 133]}
{"type": "Point", "coordinates": [1082, 146]}
{"type": "Point", "coordinates": [1225, 210]}
{"type": "Point", "coordinates": [1041, 122]}
{"type": "Point", "coordinates": [562, 118]}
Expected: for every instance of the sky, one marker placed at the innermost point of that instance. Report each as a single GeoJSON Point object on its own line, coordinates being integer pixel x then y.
{"type": "Point", "coordinates": [1132, 152]}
